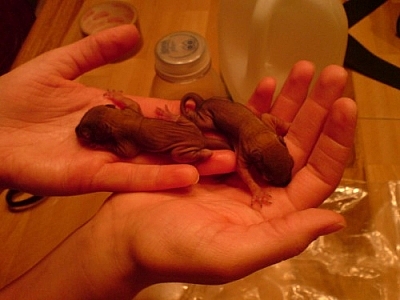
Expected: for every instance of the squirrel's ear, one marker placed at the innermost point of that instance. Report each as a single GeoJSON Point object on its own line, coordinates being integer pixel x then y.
{"type": "Point", "coordinates": [256, 156]}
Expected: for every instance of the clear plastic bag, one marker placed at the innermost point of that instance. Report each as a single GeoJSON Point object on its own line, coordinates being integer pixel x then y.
{"type": "Point", "coordinates": [359, 262]}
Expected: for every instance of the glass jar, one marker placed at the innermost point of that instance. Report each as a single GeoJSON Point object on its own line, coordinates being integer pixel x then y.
{"type": "Point", "coordinates": [183, 65]}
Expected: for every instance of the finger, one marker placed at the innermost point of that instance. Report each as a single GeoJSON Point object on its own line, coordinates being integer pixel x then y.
{"type": "Point", "coordinates": [260, 101]}
{"type": "Point", "coordinates": [221, 162]}
{"type": "Point", "coordinates": [266, 243]}
{"type": "Point", "coordinates": [308, 123]}
{"type": "Point", "coordinates": [126, 177]}
{"type": "Point", "coordinates": [294, 91]}
{"type": "Point", "coordinates": [291, 235]}
{"type": "Point", "coordinates": [325, 167]}
{"type": "Point", "coordinates": [93, 51]}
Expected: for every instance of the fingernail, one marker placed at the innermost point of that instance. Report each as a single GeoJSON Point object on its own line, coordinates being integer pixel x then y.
{"type": "Point", "coordinates": [334, 227]}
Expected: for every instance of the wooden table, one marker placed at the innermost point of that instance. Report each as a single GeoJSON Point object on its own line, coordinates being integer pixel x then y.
{"type": "Point", "coordinates": [28, 236]}
{"type": "Point", "coordinates": [378, 104]}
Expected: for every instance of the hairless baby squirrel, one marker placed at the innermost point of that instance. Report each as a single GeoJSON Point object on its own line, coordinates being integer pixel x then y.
{"type": "Point", "coordinates": [126, 132]}
{"type": "Point", "coordinates": [258, 142]}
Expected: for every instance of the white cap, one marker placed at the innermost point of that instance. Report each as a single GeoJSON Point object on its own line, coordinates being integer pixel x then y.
{"type": "Point", "coordinates": [106, 15]}
{"type": "Point", "coordinates": [182, 56]}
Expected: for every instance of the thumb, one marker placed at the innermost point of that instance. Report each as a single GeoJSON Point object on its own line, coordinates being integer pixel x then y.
{"type": "Point", "coordinates": [91, 52]}
{"type": "Point", "coordinates": [127, 177]}
{"type": "Point", "coordinates": [294, 232]}
{"type": "Point", "coordinates": [275, 240]}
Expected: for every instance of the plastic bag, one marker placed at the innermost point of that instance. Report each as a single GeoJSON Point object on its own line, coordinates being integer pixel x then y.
{"type": "Point", "coordinates": [359, 262]}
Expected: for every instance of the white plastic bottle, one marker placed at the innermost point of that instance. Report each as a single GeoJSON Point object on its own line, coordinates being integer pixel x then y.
{"type": "Point", "coordinates": [183, 64]}
{"type": "Point", "coordinates": [260, 38]}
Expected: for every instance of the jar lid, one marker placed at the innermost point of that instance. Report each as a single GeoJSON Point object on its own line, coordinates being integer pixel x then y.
{"type": "Point", "coordinates": [106, 15]}
{"type": "Point", "coordinates": [182, 56]}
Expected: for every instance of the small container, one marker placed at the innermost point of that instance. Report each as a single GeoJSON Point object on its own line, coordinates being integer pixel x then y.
{"type": "Point", "coordinates": [110, 14]}
{"type": "Point", "coordinates": [182, 65]}
{"type": "Point", "coordinates": [106, 15]}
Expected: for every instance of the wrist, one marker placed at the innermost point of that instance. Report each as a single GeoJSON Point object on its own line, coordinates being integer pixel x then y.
{"type": "Point", "coordinates": [89, 264]}
{"type": "Point", "coordinates": [106, 260]}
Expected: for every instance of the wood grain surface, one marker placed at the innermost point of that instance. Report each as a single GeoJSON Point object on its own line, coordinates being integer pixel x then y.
{"type": "Point", "coordinates": [28, 236]}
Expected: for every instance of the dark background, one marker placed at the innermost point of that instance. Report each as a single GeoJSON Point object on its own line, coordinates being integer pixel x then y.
{"type": "Point", "coordinates": [16, 19]}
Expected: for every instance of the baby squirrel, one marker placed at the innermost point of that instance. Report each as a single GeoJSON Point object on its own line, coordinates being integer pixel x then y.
{"type": "Point", "coordinates": [256, 140]}
{"type": "Point", "coordinates": [126, 132]}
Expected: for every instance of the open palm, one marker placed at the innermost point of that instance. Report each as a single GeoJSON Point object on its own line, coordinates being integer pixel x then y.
{"type": "Point", "coordinates": [40, 106]}
{"type": "Point", "coordinates": [208, 233]}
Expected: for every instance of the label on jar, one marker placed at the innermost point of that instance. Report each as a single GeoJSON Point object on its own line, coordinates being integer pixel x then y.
{"type": "Point", "coordinates": [178, 48]}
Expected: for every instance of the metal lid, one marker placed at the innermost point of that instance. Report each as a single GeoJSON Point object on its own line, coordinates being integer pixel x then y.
{"type": "Point", "coordinates": [182, 56]}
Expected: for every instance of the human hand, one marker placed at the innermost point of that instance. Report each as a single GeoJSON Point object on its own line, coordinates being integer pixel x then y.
{"type": "Point", "coordinates": [208, 233]}
{"type": "Point", "coordinates": [40, 106]}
